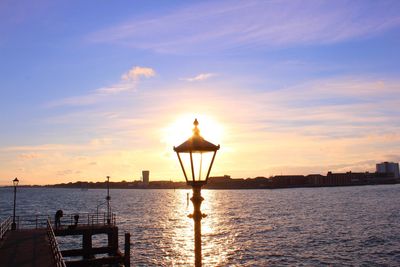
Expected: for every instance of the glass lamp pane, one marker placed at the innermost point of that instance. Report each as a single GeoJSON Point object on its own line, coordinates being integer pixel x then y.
{"type": "Point", "coordinates": [201, 164]}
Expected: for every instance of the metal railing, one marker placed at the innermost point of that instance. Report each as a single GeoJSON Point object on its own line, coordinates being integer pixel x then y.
{"type": "Point", "coordinates": [5, 226]}
{"type": "Point", "coordinates": [55, 249]}
{"type": "Point", "coordinates": [84, 219]}
{"type": "Point", "coordinates": [89, 219]}
{"type": "Point", "coordinates": [31, 221]}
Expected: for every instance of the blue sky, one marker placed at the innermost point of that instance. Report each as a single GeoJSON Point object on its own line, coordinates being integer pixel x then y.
{"type": "Point", "coordinates": [93, 88]}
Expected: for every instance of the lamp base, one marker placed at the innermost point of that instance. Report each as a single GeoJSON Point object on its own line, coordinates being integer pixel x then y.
{"type": "Point", "coordinates": [196, 183]}
{"type": "Point", "coordinates": [13, 226]}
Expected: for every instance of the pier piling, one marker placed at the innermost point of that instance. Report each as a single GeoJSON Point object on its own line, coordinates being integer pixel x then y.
{"type": "Point", "coordinates": [127, 252]}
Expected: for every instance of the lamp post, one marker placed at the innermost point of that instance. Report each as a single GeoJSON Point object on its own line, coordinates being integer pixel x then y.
{"type": "Point", "coordinates": [15, 183]}
{"type": "Point", "coordinates": [194, 148]}
{"type": "Point", "coordinates": [108, 198]}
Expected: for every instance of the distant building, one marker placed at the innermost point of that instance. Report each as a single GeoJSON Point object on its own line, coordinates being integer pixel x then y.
{"type": "Point", "coordinates": [145, 177]}
{"type": "Point", "coordinates": [388, 168]}
{"type": "Point", "coordinates": [289, 180]}
{"type": "Point", "coordinates": [315, 179]}
{"type": "Point", "coordinates": [344, 178]}
{"type": "Point", "coordinates": [220, 179]}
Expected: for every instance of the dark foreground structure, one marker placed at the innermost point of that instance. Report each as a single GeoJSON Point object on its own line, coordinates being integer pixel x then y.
{"type": "Point", "coordinates": [34, 242]}
{"type": "Point", "coordinates": [386, 173]}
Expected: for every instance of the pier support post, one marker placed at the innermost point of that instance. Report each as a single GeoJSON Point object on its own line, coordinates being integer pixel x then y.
{"type": "Point", "coordinates": [127, 252]}
{"type": "Point", "coordinates": [113, 241]}
{"type": "Point", "coordinates": [87, 245]}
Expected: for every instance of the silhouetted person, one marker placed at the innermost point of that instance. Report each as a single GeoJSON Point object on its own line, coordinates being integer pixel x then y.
{"type": "Point", "coordinates": [58, 216]}
{"type": "Point", "coordinates": [76, 219]}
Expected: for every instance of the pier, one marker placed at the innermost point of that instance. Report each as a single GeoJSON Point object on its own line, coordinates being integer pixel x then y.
{"type": "Point", "coordinates": [34, 242]}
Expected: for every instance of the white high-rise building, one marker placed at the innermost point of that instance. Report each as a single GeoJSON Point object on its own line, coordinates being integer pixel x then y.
{"type": "Point", "coordinates": [388, 167]}
{"type": "Point", "coordinates": [146, 177]}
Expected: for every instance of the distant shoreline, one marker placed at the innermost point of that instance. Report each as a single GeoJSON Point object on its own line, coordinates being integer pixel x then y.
{"type": "Point", "coordinates": [205, 188]}
{"type": "Point", "coordinates": [226, 183]}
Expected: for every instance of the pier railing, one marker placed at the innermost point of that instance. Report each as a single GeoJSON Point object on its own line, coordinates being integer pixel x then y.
{"type": "Point", "coordinates": [31, 221]}
{"type": "Point", "coordinates": [5, 226]}
{"type": "Point", "coordinates": [55, 249]}
{"type": "Point", "coordinates": [90, 219]}
{"type": "Point", "coordinates": [84, 219]}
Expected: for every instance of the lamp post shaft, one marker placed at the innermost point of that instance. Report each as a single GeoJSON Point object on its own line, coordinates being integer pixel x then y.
{"type": "Point", "coordinates": [14, 226]}
{"type": "Point", "coordinates": [197, 216]}
{"type": "Point", "coordinates": [108, 200]}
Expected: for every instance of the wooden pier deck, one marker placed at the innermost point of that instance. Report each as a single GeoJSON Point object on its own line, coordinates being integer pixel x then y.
{"type": "Point", "coordinates": [38, 247]}
{"type": "Point", "coordinates": [26, 248]}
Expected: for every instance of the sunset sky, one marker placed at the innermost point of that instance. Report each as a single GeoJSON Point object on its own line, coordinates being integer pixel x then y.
{"type": "Point", "coordinates": [96, 88]}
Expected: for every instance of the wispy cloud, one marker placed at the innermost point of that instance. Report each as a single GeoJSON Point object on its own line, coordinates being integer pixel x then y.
{"type": "Point", "coordinates": [330, 108]}
{"type": "Point", "coordinates": [200, 77]}
{"type": "Point", "coordinates": [31, 151]}
{"type": "Point", "coordinates": [29, 156]}
{"type": "Point", "coordinates": [44, 147]}
{"type": "Point", "coordinates": [226, 24]}
{"type": "Point", "coordinates": [128, 82]}
{"type": "Point", "coordinates": [137, 72]}
{"type": "Point", "coordinates": [114, 89]}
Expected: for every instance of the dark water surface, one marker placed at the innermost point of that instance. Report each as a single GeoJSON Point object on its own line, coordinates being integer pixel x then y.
{"type": "Point", "coordinates": [341, 226]}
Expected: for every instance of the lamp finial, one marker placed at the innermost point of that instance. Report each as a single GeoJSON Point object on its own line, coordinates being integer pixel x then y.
{"type": "Point", "coordinates": [196, 130]}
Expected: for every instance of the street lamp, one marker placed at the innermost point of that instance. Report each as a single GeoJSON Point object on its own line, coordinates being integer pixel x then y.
{"type": "Point", "coordinates": [15, 183]}
{"type": "Point", "coordinates": [192, 154]}
{"type": "Point", "coordinates": [108, 198]}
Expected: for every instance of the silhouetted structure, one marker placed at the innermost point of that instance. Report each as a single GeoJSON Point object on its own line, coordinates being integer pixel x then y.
{"type": "Point", "coordinates": [288, 180]}
{"type": "Point", "coordinates": [146, 178]}
{"type": "Point", "coordinates": [381, 176]}
{"type": "Point", "coordinates": [108, 199]}
{"type": "Point", "coordinates": [15, 184]}
{"type": "Point", "coordinates": [388, 168]}
{"type": "Point", "coordinates": [196, 145]}
{"type": "Point", "coordinates": [35, 233]}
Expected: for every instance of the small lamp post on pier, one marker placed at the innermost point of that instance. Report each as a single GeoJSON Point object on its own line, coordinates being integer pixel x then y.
{"type": "Point", "coordinates": [15, 183]}
{"type": "Point", "coordinates": [194, 148]}
{"type": "Point", "coordinates": [108, 198]}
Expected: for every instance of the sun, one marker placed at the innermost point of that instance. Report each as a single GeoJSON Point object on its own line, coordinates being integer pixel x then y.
{"type": "Point", "coordinates": [181, 129]}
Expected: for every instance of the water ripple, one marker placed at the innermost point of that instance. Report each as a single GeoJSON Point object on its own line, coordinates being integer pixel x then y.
{"type": "Point", "coordinates": [342, 226]}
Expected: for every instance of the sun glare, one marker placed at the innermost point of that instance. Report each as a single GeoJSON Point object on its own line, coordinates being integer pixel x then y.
{"type": "Point", "coordinates": [181, 129]}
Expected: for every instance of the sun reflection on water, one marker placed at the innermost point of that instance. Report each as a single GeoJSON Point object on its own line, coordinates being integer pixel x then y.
{"type": "Point", "coordinates": [181, 249]}
{"type": "Point", "coordinates": [217, 237]}
{"type": "Point", "coordinates": [217, 240]}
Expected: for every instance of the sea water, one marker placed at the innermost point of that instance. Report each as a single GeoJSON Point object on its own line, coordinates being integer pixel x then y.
{"type": "Point", "coordinates": [337, 226]}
